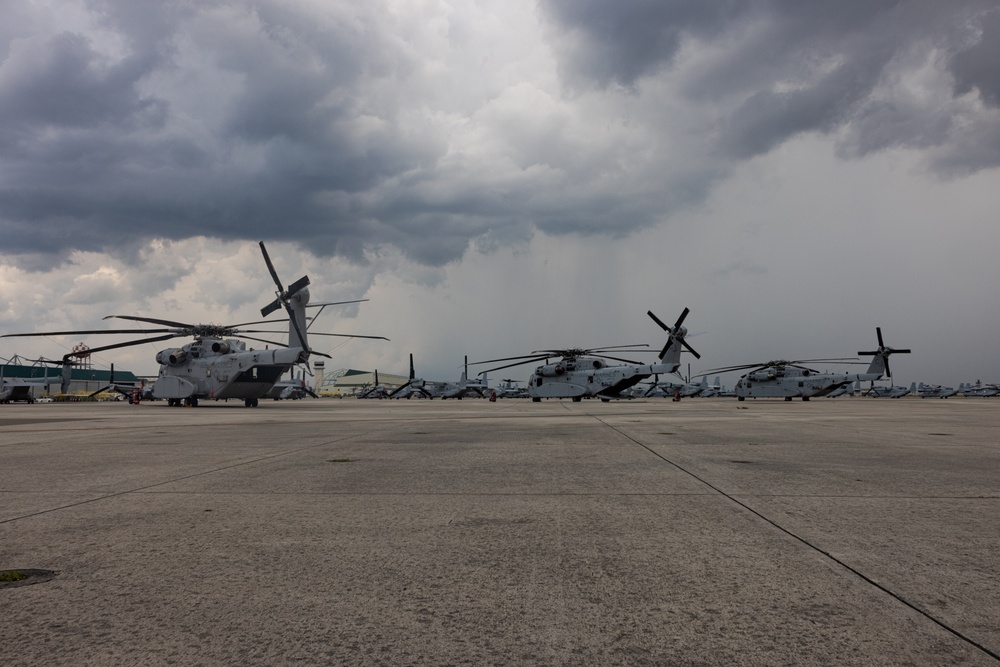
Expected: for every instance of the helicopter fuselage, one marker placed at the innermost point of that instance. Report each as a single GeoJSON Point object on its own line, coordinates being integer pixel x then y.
{"type": "Point", "coordinates": [790, 382]}
{"type": "Point", "coordinates": [578, 377]}
{"type": "Point", "coordinates": [215, 368]}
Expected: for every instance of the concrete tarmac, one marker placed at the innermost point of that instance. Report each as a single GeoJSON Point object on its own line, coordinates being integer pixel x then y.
{"type": "Point", "coordinates": [347, 532]}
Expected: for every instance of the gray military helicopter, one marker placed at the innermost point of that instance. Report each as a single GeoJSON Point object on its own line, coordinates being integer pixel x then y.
{"type": "Point", "coordinates": [583, 373]}
{"type": "Point", "coordinates": [790, 379]}
{"type": "Point", "coordinates": [217, 364]}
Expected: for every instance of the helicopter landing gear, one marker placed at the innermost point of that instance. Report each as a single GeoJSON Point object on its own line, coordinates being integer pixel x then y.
{"type": "Point", "coordinates": [250, 402]}
{"type": "Point", "coordinates": [190, 402]}
{"type": "Point", "coordinates": [788, 398]}
{"type": "Point", "coordinates": [577, 399]}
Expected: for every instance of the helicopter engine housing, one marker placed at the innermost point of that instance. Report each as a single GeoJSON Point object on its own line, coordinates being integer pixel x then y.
{"type": "Point", "coordinates": [551, 370]}
{"type": "Point", "coordinates": [174, 357]}
{"type": "Point", "coordinates": [221, 347]}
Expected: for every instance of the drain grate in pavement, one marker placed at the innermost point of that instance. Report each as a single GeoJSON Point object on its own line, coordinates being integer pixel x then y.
{"type": "Point", "coordinates": [24, 577]}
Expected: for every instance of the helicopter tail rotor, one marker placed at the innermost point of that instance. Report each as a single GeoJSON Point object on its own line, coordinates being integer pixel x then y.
{"type": "Point", "coordinates": [676, 334]}
{"type": "Point", "coordinates": [880, 364]}
{"type": "Point", "coordinates": [284, 299]}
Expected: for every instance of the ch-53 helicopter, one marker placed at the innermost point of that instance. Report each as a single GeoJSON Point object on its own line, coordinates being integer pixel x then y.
{"type": "Point", "coordinates": [788, 379]}
{"type": "Point", "coordinates": [583, 373]}
{"type": "Point", "coordinates": [217, 364]}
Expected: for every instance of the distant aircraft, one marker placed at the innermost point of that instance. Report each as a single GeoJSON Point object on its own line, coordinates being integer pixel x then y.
{"type": "Point", "coordinates": [979, 389]}
{"type": "Point", "coordinates": [508, 389]}
{"type": "Point", "coordinates": [19, 389]}
{"type": "Point", "coordinates": [935, 391]}
{"type": "Point", "coordinates": [788, 379]}
{"type": "Point", "coordinates": [291, 389]}
{"type": "Point", "coordinates": [374, 391]}
{"type": "Point", "coordinates": [896, 391]}
{"type": "Point", "coordinates": [440, 389]}
{"type": "Point", "coordinates": [580, 373]}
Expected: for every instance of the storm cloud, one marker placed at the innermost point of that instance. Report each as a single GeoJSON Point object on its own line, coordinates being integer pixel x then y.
{"type": "Point", "coordinates": [345, 122]}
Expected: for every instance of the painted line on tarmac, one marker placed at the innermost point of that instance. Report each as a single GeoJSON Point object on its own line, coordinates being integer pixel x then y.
{"type": "Point", "coordinates": [856, 572]}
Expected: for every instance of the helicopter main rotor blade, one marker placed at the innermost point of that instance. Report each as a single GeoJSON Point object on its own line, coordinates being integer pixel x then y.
{"type": "Point", "coordinates": [92, 332]}
{"type": "Point", "coordinates": [129, 343]}
{"type": "Point", "coordinates": [349, 336]}
{"type": "Point", "coordinates": [618, 347]}
{"type": "Point", "coordinates": [151, 320]}
{"type": "Point", "coordinates": [519, 363]}
{"type": "Point", "coordinates": [627, 361]}
{"type": "Point", "coordinates": [526, 357]}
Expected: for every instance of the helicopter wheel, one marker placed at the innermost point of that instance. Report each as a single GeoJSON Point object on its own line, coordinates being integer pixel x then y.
{"type": "Point", "coordinates": [788, 398]}
{"type": "Point", "coordinates": [536, 399]}
{"type": "Point", "coordinates": [577, 399]}
{"type": "Point", "coordinates": [250, 402]}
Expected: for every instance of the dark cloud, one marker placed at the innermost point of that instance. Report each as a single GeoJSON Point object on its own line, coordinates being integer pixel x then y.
{"type": "Point", "coordinates": [780, 68]}
{"type": "Point", "coordinates": [348, 127]}
{"type": "Point", "coordinates": [619, 42]}
{"type": "Point", "coordinates": [978, 66]}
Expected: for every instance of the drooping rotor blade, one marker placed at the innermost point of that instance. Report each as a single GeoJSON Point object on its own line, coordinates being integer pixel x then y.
{"type": "Point", "coordinates": [91, 332]}
{"type": "Point", "coordinates": [129, 343]}
{"type": "Point", "coordinates": [412, 372]}
{"type": "Point", "coordinates": [740, 367]}
{"type": "Point", "coordinates": [270, 267]}
{"type": "Point", "coordinates": [526, 357]}
{"type": "Point", "coordinates": [151, 320]}
{"type": "Point", "coordinates": [627, 361]}
{"type": "Point", "coordinates": [349, 336]}
{"type": "Point", "coordinates": [616, 347]}
{"type": "Point", "coordinates": [519, 363]}
{"type": "Point", "coordinates": [878, 332]}
{"type": "Point", "coordinates": [263, 340]}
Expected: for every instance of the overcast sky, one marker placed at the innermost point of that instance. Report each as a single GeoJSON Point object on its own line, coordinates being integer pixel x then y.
{"type": "Point", "coordinates": [502, 176]}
